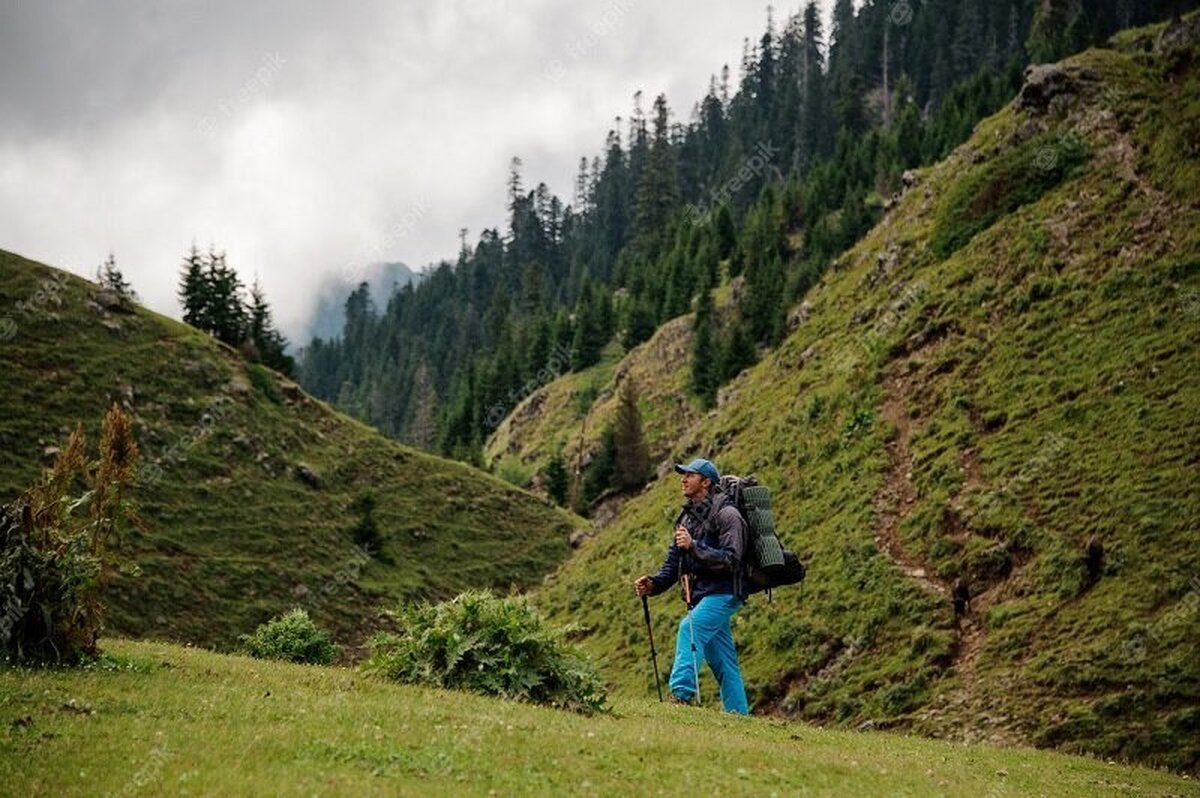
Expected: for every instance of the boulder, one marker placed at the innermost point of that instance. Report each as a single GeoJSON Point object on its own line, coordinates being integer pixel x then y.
{"type": "Point", "coordinates": [1056, 85]}
{"type": "Point", "coordinates": [307, 475]}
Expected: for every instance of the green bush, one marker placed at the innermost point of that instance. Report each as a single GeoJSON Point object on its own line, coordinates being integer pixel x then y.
{"type": "Point", "coordinates": [292, 638]}
{"type": "Point", "coordinates": [488, 645]}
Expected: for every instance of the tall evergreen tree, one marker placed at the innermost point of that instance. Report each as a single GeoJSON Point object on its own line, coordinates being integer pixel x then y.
{"type": "Point", "coordinates": [705, 377]}
{"type": "Point", "coordinates": [658, 191]}
{"type": "Point", "coordinates": [632, 465]}
{"type": "Point", "coordinates": [110, 279]}
{"type": "Point", "coordinates": [269, 343]}
{"type": "Point", "coordinates": [193, 290]}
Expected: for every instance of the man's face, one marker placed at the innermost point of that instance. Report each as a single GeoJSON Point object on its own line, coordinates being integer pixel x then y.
{"type": "Point", "coordinates": [694, 486]}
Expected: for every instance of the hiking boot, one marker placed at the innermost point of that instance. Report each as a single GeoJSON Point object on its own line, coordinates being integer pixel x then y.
{"type": "Point", "coordinates": [674, 699]}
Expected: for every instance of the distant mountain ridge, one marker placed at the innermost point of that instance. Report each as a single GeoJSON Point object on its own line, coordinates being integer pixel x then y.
{"type": "Point", "coordinates": [329, 314]}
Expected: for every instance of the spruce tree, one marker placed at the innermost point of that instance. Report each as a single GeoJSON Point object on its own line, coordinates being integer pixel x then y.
{"type": "Point", "coordinates": [632, 465]}
{"type": "Point", "coordinates": [658, 190]}
{"type": "Point", "coordinates": [704, 351]}
{"type": "Point", "coordinates": [193, 291]}
{"type": "Point", "coordinates": [601, 471]}
{"type": "Point", "coordinates": [110, 279]}
{"type": "Point", "coordinates": [738, 351]}
{"type": "Point", "coordinates": [227, 317]}
{"type": "Point", "coordinates": [269, 343]}
{"type": "Point", "coordinates": [556, 479]}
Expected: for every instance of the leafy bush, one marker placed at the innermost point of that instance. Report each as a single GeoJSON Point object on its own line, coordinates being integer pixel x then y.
{"type": "Point", "coordinates": [292, 638]}
{"type": "Point", "coordinates": [54, 548]}
{"type": "Point", "coordinates": [489, 645]}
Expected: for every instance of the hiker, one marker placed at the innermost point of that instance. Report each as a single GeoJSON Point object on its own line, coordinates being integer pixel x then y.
{"type": "Point", "coordinates": [705, 557]}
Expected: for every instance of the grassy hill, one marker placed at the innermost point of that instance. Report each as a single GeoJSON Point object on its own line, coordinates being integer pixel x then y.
{"type": "Point", "coordinates": [1004, 368]}
{"type": "Point", "coordinates": [569, 414]}
{"type": "Point", "coordinates": [250, 481]}
{"type": "Point", "coordinates": [152, 718]}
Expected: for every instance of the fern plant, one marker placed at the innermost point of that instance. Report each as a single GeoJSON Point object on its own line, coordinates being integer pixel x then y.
{"type": "Point", "coordinates": [489, 645]}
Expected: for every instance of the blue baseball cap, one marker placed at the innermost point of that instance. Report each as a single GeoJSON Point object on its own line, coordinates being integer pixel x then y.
{"type": "Point", "coordinates": [702, 467]}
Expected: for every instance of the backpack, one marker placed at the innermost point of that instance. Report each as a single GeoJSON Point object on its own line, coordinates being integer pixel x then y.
{"type": "Point", "coordinates": [766, 564]}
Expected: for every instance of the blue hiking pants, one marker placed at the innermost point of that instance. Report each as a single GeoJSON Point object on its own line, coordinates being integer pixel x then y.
{"type": "Point", "coordinates": [708, 625]}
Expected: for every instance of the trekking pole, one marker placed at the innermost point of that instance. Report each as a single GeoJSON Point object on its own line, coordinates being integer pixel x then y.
{"type": "Point", "coordinates": [687, 597]}
{"type": "Point", "coordinates": [653, 653]}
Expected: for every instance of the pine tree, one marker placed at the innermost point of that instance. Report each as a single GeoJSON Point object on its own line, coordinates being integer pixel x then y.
{"type": "Point", "coordinates": [632, 464]}
{"type": "Point", "coordinates": [269, 343]}
{"type": "Point", "coordinates": [704, 351]}
{"type": "Point", "coordinates": [227, 317]}
{"type": "Point", "coordinates": [737, 351]}
{"type": "Point", "coordinates": [589, 336]}
{"type": "Point", "coordinates": [110, 279]}
{"type": "Point", "coordinates": [601, 471]}
{"type": "Point", "coordinates": [556, 479]}
{"type": "Point", "coordinates": [193, 291]}
{"type": "Point", "coordinates": [658, 190]}
{"type": "Point", "coordinates": [725, 232]}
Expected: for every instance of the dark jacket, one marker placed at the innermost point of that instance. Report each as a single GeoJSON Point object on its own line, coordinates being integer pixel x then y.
{"type": "Point", "coordinates": [718, 547]}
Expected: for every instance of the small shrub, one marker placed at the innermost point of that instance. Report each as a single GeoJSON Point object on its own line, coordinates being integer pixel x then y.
{"type": "Point", "coordinates": [55, 548]}
{"type": "Point", "coordinates": [292, 638]}
{"type": "Point", "coordinates": [489, 645]}
{"type": "Point", "coordinates": [366, 530]}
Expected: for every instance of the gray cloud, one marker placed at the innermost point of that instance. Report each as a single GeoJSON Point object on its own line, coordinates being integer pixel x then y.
{"type": "Point", "coordinates": [304, 137]}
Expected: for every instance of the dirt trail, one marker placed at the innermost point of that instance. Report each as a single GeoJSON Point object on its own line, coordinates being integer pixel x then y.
{"type": "Point", "coordinates": [894, 502]}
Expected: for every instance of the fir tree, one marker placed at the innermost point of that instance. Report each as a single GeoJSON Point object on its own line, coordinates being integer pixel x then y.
{"type": "Point", "coordinates": [737, 351]}
{"type": "Point", "coordinates": [110, 279]}
{"type": "Point", "coordinates": [268, 342]}
{"type": "Point", "coordinates": [658, 190]}
{"type": "Point", "coordinates": [556, 479]}
{"type": "Point", "coordinates": [632, 457]}
{"type": "Point", "coordinates": [193, 291]}
{"type": "Point", "coordinates": [600, 472]}
{"type": "Point", "coordinates": [704, 351]}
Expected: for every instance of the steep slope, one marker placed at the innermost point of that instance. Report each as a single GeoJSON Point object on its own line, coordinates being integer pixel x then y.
{"type": "Point", "coordinates": [568, 414]}
{"type": "Point", "coordinates": [160, 719]}
{"type": "Point", "coordinates": [250, 482]}
{"type": "Point", "coordinates": [1004, 369]}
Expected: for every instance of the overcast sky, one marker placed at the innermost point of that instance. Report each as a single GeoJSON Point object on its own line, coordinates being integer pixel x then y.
{"type": "Point", "coordinates": [307, 138]}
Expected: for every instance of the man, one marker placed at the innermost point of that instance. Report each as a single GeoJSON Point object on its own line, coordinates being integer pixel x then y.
{"type": "Point", "coordinates": [705, 557]}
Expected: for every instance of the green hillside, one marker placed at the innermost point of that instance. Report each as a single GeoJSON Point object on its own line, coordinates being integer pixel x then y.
{"type": "Point", "coordinates": [1003, 368]}
{"type": "Point", "coordinates": [157, 719]}
{"type": "Point", "coordinates": [250, 481]}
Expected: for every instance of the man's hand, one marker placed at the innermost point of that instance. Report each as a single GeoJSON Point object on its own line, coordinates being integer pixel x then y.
{"type": "Point", "coordinates": [683, 538]}
{"type": "Point", "coordinates": [643, 585]}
